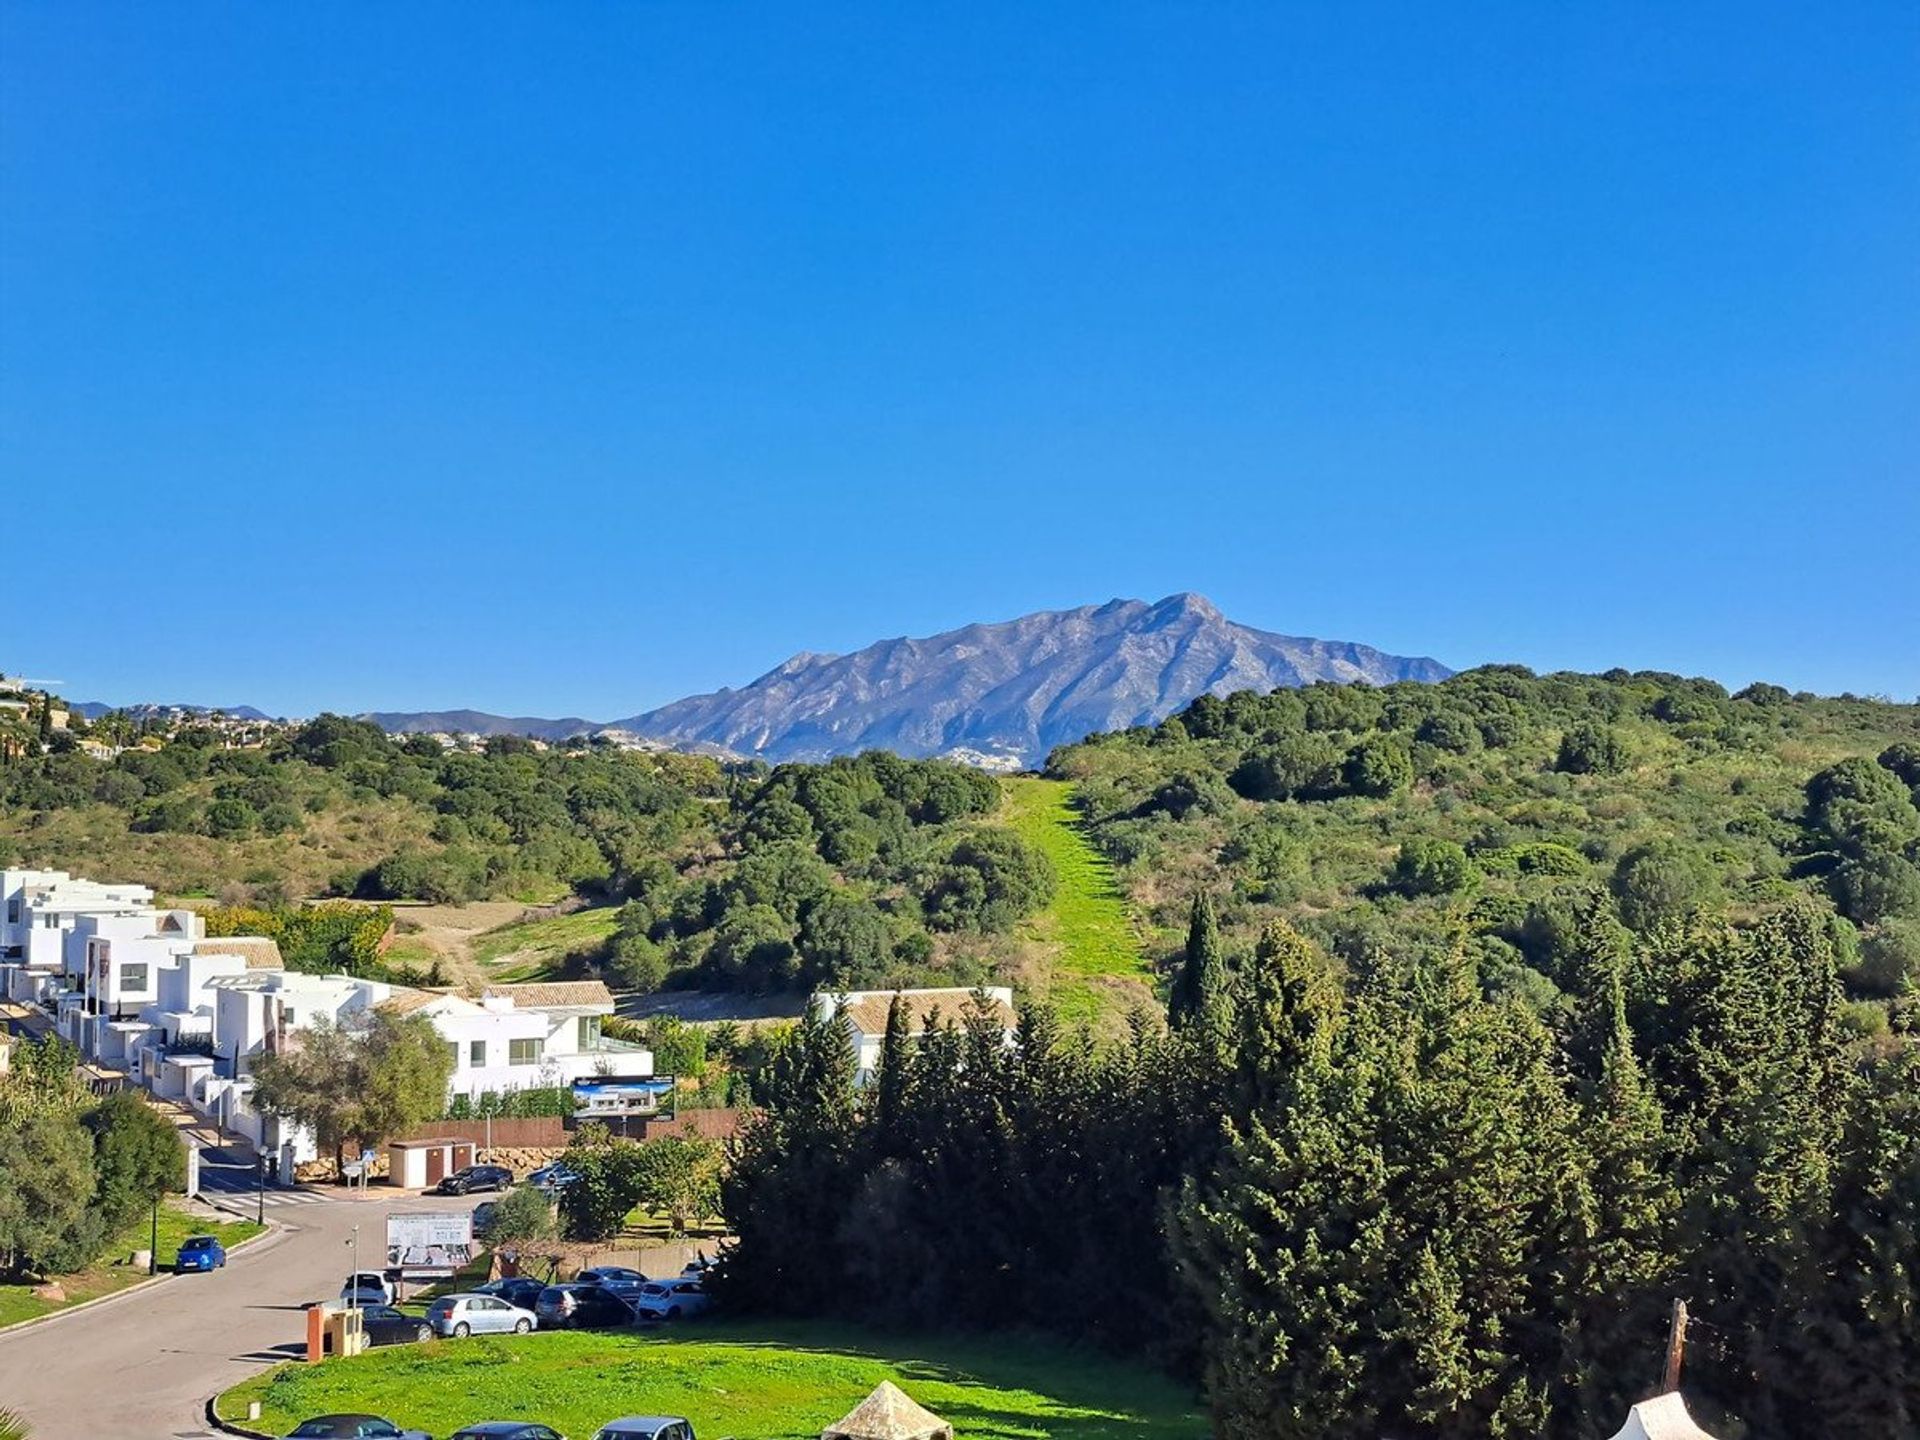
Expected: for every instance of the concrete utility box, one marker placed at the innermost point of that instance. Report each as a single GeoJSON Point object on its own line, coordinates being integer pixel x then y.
{"type": "Point", "coordinates": [345, 1335]}
{"type": "Point", "coordinates": [420, 1164]}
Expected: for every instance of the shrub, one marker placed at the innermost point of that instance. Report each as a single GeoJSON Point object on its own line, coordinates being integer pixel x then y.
{"type": "Point", "coordinates": [1588, 749]}
{"type": "Point", "coordinates": [1657, 883]}
{"type": "Point", "coordinates": [1433, 867]}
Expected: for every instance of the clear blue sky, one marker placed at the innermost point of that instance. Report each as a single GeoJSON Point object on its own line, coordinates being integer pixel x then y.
{"type": "Point", "coordinates": [570, 358]}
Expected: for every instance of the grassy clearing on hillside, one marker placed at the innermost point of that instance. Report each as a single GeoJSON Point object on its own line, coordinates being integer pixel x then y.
{"type": "Point", "coordinates": [18, 1303]}
{"type": "Point", "coordinates": [1096, 953]}
{"type": "Point", "coordinates": [540, 949]}
{"type": "Point", "coordinates": [782, 1381]}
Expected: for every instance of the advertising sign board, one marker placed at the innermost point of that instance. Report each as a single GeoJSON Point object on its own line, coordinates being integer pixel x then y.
{"type": "Point", "coordinates": [429, 1244]}
{"type": "Point", "coordinates": [610, 1096]}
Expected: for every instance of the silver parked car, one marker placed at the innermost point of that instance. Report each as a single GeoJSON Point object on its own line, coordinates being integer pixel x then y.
{"type": "Point", "coordinates": [669, 1299]}
{"type": "Point", "coordinates": [462, 1315]}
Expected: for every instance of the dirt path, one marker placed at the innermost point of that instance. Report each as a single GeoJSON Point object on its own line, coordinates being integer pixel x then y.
{"type": "Point", "coordinates": [426, 933]}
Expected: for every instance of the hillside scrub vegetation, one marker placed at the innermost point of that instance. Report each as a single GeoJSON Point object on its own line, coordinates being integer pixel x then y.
{"type": "Point", "coordinates": [1488, 805]}
{"type": "Point", "coordinates": [865, 871]}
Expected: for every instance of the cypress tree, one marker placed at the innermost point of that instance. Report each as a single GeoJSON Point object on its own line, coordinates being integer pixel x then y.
{"type": "Point", "coordinates": [1202, 977]}
{"type": "Point", "coordinates": [894, 1080]}
{"type": "Point", "coordinates": [1625, 1252]}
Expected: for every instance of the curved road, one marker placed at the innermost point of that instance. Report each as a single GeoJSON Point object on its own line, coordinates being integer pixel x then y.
{"type": "Point", "coordinates": [143, 1364]}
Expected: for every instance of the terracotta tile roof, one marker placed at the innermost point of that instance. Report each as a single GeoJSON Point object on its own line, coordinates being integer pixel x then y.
{"type": "Point", "coordinates": [868, 1010]}
{"type": "Point", "coordinates": [258, 951]}
{"type": "Point", "coordinates": [552, 995]}
{"type": "Point", "coordinates": [405, 1002]}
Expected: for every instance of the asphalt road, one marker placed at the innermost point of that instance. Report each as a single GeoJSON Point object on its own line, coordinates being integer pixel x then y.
{"type": "Point", "coordinates": [143, 1364]}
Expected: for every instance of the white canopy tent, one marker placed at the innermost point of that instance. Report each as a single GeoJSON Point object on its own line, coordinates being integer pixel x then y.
{"type": "Point", "coordinates": [1664, 1417]}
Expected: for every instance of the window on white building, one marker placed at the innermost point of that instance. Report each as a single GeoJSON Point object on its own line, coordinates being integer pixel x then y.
{"type": "Point", "coordinates": [589, 1031]}
{"type": "Point", "coordinates": [477, 1054]}
{"type": "Point", "coordinates": [133, 977]}
{"type": "Point", "coordinates": [525, 1052]}
{"type": "Point", "coordinates": [453, 1053]}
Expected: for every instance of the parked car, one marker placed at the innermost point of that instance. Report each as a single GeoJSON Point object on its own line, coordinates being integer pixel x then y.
{"type": "Point", "coordinates": [352, 1427]}
{"type": "Point", "coordinates": [506, 1430]}
{"type": "Point", "coordinates": [521, 1290]}
{"type": "Point", "coordinates": [367, 1287]}
{"type": "Point", "coordinates": [472, 1179]}
{"type": "Point", "coordinates": [464, 1315]}
{"type": "Point", "coordinates": [646, 1427]}
{"type": "Point", "coordinates": [483, 1214]}
{"type": "Point", "coordinates": [553, 1178]}
{"type": "Point", "coordinates": [385, 1325]}
{"type": "Point", "coordinates": [670, 1299]}
{"type": "Point", "coordinates": [199, 1252]}
{"type": "Point", "coordinates": [582, 1307]}
{"type": "Point", "coordinates": [614, 1275]}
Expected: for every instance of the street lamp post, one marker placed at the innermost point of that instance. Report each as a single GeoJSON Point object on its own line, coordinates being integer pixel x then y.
{"type": "Point", "coordinates": [353, 1287]}
{"type": "Point", "coordinates": [260, 1188]}
{"type": "Point", "coordinates": [153, 1241]}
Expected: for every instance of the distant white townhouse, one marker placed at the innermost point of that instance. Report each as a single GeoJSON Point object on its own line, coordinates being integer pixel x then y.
{"type": "Point", "coordinates": [864, 1013]}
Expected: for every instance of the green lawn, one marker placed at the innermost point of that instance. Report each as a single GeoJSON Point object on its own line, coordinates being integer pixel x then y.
{"type": "Point", "coordinates": [789, 1380]}
{"type": "Point", "coordinates": [538, 949]}
{"type": "Point", "coordinates": [1087, 919]}
{"type": "Point", "coordinates": [17, 1302]}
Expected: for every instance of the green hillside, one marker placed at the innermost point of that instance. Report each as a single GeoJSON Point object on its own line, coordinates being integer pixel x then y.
{"type": "Point", "coordinates": [1484, 808]}
{"type": "Point", "coordinates": [860, 872]}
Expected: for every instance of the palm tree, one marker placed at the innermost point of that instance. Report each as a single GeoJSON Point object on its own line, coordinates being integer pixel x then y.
{"type": "Point", "coordinates": [12, 1427]}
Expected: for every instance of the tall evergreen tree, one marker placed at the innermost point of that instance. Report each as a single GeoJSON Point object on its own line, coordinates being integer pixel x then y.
{"type": "Point", "coordinates": [894, 1080]}
{"type": "Point", "coordinates": [1625, 1252]}
{"type": "Point", "coordinates": [1202, 978]}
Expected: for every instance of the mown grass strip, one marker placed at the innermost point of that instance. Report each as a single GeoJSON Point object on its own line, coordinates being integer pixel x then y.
{"type": "Point", "coordinates": [1087, 918]}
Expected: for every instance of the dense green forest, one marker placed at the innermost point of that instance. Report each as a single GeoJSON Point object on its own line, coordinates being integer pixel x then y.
{"type": "Point", "coordinates": [1360, 1200]}
{"type": "Point", "coordinates": [1491, 804]}
{"type": "Point", "coordinates": [859, 871]}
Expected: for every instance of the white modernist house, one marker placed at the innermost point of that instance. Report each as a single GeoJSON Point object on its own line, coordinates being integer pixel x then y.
{"type": "Point", "coordinates": [864, 1012]}
{"type": "Point", "coordinates": [516, 1037]}
{"type": "Point", "coordinates": [147, 991]}
{"type": "Point", "coordinates": [38, 912]}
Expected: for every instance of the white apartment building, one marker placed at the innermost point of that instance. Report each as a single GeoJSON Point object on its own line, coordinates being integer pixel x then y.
{"type": "Point", "coordinates": [147, 991]}
{"type": "Point", "coordinates": [865, 1014]}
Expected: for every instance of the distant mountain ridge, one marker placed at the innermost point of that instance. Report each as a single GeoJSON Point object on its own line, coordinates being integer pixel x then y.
{"type": "Point", "coordinates": [94, 709]}
{"type": "Point", "coordinates": [479, 722]}
{"type": "Point", "coordinates": [998, 695]}
{"type": "Point", "coordinates": [1006, 694]}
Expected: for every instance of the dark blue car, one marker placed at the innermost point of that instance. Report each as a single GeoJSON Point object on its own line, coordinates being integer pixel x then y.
{"type": "Point", "coordinates": [200, 1252]}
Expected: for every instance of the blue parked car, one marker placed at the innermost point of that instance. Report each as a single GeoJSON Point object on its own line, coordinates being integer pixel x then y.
{"type": "Point", "coordinates": [200, 1252]}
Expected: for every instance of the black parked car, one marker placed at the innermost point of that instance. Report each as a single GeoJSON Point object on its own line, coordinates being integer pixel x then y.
{"type": "Point", "coordinates": [521, 1290]}
{"type": "Point", "coordinates": [507, 1430]}
{"type": "Point", "coordinates": [353, 1427]}
{"type": "Point", "coordinates": [581, 1307]}
{"type": "Point", "coordinates": [387, 1326]}
{"type": "Point", "coordinates": [475, 1178]}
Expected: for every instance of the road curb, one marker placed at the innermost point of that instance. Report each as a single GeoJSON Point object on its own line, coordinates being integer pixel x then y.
{"type": "Point", "coordinates": [266, 1240]}
{"type": "Point", "coordinates": [227, 1427]}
